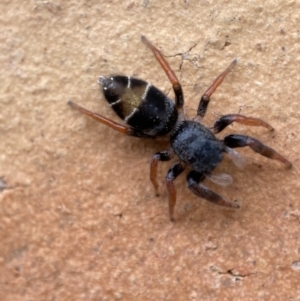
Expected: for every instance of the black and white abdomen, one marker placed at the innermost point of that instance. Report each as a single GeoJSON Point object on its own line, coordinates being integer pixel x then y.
{"type": "Point", "coordinates": [139, 104]}
{"type": "Point", "coordinates": [194, 144]}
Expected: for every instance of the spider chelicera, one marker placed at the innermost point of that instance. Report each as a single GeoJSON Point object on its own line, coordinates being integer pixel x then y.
{"type": "Point", "coordinates": [149, 113]}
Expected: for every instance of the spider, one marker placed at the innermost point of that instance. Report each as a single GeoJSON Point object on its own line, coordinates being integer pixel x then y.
{"type": "Point", "coordinates": [149, 113]}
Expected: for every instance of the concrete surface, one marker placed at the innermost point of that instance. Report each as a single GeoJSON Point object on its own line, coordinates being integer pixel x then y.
{"type": "Point", "coordinates": [78, 215]}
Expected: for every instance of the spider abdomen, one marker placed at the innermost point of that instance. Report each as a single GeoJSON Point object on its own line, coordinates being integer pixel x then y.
{"type": "Point", "coordinates": [139, 104]}
{"type": "Point", "coordinates": [194, 144]}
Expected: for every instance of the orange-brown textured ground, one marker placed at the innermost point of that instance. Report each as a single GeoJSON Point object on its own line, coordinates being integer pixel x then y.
{"type": "Point", "coordinates": [79, 219]}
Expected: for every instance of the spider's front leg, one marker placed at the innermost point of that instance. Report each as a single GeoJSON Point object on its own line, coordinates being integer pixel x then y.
{"type": "Point", "coordinates": [257, 146]}
{"type": "Point", "coordinates": [194, 178]}
{"type": "Point", "coordinates": [161, 156]}
{"type": "Point", "coordinates": [176, 169]}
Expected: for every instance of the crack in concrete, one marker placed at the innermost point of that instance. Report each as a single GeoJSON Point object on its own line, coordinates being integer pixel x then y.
{"type": "Point", "coordinates": [232, 273]}
{"type": "Point", "coordinates": [237, 275]}
{"type": "Point", "coordinates": [185, 56]}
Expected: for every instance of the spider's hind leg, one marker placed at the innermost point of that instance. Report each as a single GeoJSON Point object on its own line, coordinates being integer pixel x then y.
{"type": "Point", "coordinates": [112, 124]}
{"type": "Point", "coordinates": [179, 99]}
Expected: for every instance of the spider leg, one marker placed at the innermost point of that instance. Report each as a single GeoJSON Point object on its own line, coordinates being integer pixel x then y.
{"type": "Point", "coordinates": [257, 146]}
{"type": "Point", "coordinates": [161, 156]}
{"type": "Point", "coordinates": [176, 169]}
{"type": "Point", "coordinates": [114, 125]}
{"type": "Point", "coordinates": [179, 99]}
{"type": "Point", "coordinates": [221, 123]}
{"type": "Point", "coordinates": [212, 88]}
{"type": "Point", "coordinates": [194, 178]}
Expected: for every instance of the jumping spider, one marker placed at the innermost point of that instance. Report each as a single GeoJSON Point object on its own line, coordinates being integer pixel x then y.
{"type": "Point", "coordinates": [150, 113]}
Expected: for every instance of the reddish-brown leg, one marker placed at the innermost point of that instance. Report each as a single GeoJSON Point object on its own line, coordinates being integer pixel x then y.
{"type": "Point", "coordinates": [179, 100]}
{"type": "Point", "coordinates": [194, 178]}
{"type": "Point", "coordinates": [161, 156]}
{"type": "Point", "coordinates": [257, 146]}
{"type": "Point", "coordinates": [224, 121]}
{"type": "Point", "coordinates": [176, 169]}
{"type": "Point", "coordinates": [208, 93]}
{"type": "Point", "coordinates": [114, 125]}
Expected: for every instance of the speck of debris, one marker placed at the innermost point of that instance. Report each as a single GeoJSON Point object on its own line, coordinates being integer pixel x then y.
{"type": "Point", "coordinates": [131, 5]}
{"type": "Point", "coordinates": [282, 31]}
{"type": "Point", "coordinates": [145, 3]}
{"type": "Point", "coordinates": [3, 185]}
{"type": "Point", "coordinates": [227, 43]}
{"type": "Point", "coordinates": [296, 265]}
{"type": "Point", "coordinates": [259, 47]}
